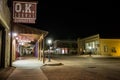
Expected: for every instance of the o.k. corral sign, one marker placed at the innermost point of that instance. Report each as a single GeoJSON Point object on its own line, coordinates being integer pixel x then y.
{"type": "Point", "coordinates": [24, 12]}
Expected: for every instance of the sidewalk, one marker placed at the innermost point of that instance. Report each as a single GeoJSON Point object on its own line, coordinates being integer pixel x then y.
{"type": "Point", "coordinates": [27, 69]}
{"type": "Point", "coordinates": [4, 73]}
{"type": "Point", "coordinates": [99, 56]}
{"type": "Point", "coordinates": [30, 72]}
{"type": "Point", "coordinates": [27, 74]}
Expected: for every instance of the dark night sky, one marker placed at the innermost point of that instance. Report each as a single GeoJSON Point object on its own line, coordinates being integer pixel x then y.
{"type": "Point", "coordinates": [70, 20]}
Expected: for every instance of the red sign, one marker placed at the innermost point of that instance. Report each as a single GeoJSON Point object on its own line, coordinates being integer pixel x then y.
{"type": "Point", "coordinates": [24, 12]}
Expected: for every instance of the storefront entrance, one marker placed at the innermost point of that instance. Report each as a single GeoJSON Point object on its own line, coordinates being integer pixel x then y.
{"type": "Point", "coordinates": [2, 46]}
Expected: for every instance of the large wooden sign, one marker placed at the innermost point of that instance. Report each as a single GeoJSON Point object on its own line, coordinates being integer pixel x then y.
{"type": "Point", "coordinates": [24, 12]}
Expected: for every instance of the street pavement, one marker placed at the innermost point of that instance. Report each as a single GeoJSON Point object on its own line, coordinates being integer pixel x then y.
{"type": "Point", "coordinates": [84, 67]}
{"type": "Point", "coordinates": [79, 67]}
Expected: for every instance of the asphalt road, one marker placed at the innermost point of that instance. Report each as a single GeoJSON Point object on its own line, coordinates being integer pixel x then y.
{"type": "Point", "coordinates": [84, 68]}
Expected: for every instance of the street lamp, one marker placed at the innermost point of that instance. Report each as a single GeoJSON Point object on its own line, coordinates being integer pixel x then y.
{"type": "Point", "coordinates": [49, 43]}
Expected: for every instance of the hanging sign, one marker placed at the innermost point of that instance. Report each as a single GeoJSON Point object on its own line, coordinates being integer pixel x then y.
{"type": "Point", "coordinates": [24, 12]}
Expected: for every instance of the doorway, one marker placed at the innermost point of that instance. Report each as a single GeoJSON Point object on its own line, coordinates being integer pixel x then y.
{"type": "Point", "coordinates": [2, 46]}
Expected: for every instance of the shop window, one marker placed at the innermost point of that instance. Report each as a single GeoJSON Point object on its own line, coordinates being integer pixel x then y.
{"type": "Point", "coordinates": [105, 49]}
{"type": "Point", "coordinates": [113, 49]}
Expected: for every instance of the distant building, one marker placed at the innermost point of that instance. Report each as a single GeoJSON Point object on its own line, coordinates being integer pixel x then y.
{"type": "Point", "coordinates": [65, 47]}
{"type": "Point", "coordinates": [99, 46]}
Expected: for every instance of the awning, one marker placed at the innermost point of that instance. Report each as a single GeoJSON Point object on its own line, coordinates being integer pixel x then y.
{"type": "Point", "coordinates": [27, 33]}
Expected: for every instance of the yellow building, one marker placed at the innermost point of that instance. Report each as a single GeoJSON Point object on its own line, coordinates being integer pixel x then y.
{"type": "Point", "coordinates": [99, 46]}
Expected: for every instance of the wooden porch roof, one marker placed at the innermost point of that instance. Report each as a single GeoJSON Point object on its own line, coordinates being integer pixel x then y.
{"type": "Point", "coordinates": [30, 33]}
{"type": "Point", "coordinates": [23, 29]}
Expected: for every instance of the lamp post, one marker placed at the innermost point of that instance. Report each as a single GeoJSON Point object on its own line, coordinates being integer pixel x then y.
{"type": "Point", "coordinates": [90, 50]}
{"type": "Point", "coordinates": [49, 43]}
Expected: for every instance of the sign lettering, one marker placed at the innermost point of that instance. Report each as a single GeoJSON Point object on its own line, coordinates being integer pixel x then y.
{"type": "Point", "coordinates": [18, 7]}
{"type": "Point", "coordinates": [27, 8]}
{"type": "Point", "coordinates": [24, 12]}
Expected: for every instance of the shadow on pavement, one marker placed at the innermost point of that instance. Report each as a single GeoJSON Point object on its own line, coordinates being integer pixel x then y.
{"type": "Point", "coordinates": [4, 73]}
{"type": "Point", "coordinates": [55, 64]}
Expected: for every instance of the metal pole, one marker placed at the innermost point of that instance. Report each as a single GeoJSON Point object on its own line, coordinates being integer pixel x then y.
{"type": "Point", "coordinates": [49, 54]}
{"type": "Point", "coordinates": [43, 51]}
{"type": "Point", "coordinates": [11, 35]}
